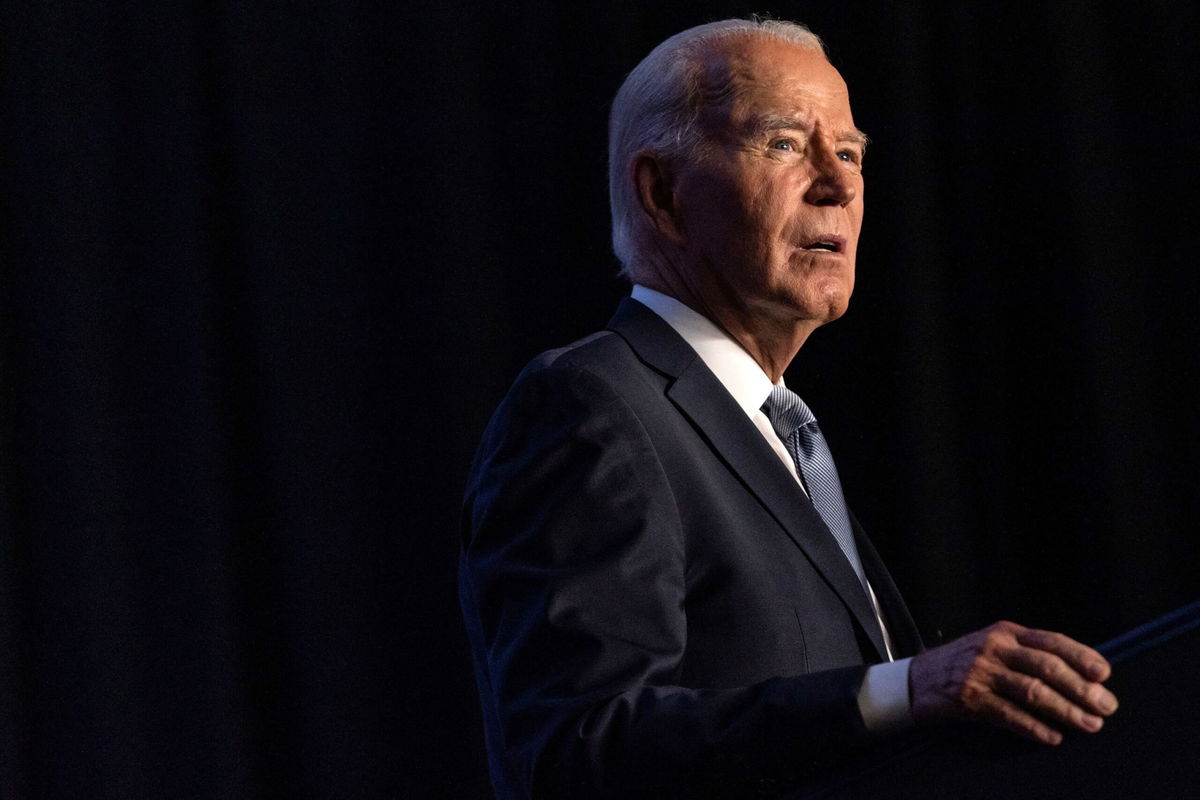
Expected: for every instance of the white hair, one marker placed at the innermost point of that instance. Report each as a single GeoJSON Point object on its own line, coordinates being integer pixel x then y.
{"type": "Point", "coordinates": [656, 110]}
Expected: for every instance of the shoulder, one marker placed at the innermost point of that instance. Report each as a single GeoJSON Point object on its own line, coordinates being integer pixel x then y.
{"type": "Point", "coordinates": [603, 356]}
{"type": "Point", "coordinates": [571, 434]}
{"type": "Point", "coordinates": [591, 400]}
{"type": "Point", "coordinates": [599, 370]}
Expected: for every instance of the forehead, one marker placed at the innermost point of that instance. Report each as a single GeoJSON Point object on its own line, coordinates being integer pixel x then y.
{"type": "Point", "coordinates": [753, 76]}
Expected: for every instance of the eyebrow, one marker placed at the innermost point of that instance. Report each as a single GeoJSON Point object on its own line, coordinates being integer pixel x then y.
{"type": "Point", "coordinates": [772, 122]}
{"type": "Point", "coordinates": [856, 136]}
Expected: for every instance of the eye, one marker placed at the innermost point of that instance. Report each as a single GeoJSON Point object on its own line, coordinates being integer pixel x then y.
{"type": "Point", "coordinates": [850, 156]}
{"type": "Point", "coordinates": [787, 145]}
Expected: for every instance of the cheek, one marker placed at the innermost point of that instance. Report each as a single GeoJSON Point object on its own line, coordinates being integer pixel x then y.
{"type": "Point", "coordinates": [722, 213]}
{"type": "Point", "coordinates": [854, 213]}
{"type": "Point", "coordinates": [745, 224]}
{"type": "Point", "coordinates": [775, 211]}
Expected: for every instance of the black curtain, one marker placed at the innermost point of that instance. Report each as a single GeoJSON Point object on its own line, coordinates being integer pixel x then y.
{"type": "Point", "coordinates": [267, 268]}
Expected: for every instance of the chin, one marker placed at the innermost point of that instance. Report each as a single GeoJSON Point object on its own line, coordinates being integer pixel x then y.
{"type": "Point", "coordinates": [816, 302]}
{"type": "Point", "coordinates": [832, 303]}
{"type": "Point", "coordinates": [816, 313]}
{"type": "Point", "coordinates": [829, 313]}
{"type": "Point", "coordinates": [836, 312]}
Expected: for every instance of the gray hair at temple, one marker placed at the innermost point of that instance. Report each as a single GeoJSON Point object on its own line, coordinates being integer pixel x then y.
{"type": "Point", "coordinates": [656, 110]}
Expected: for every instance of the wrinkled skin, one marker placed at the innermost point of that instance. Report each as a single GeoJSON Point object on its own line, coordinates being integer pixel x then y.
{"type": "Point", "coordinates": [1034, 683]}
{"type": "Point", "coordinates": [760, 235]}
{"type": "Point", "coordinates": [782, 172]}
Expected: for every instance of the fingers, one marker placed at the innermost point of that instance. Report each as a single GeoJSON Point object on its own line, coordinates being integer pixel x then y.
{"type": "Point", "coordinates": [1031, 682]}
{"type": "Point", "coordinates": [1080, 657]}
{"type": "Point", "coordinates": [1036, 695]}
{"type": "Point", "coordinates": [1003, 714]}
{"type": "Point", "coordinates": [1055, 687]}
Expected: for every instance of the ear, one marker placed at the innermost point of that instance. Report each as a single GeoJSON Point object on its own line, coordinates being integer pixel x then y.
{"type": "Point", "coordinates": [656, 194]}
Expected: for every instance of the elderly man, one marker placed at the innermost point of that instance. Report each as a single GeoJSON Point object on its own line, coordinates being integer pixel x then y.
{"type": "Point", "coordinates": [664, 590]}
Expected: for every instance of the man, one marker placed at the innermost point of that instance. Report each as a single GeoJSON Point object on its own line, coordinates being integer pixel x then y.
{"type": "Point", "coordinates": [664, 591]}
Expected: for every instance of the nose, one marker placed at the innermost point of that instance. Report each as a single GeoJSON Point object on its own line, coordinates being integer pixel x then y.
{"type": "Point", "coordinates": [833, 181]}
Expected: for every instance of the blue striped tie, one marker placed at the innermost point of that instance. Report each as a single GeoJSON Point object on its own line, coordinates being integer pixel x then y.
{"type": "Point", "coordinates": [797, 427]}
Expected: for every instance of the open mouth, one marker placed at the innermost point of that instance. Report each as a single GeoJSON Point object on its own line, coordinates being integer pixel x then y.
{"type": "Point", "coordinates": [827, 244]}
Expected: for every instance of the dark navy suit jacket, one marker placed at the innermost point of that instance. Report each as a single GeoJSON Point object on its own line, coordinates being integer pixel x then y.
{"type": "Point", "coordinates": [654, 606]}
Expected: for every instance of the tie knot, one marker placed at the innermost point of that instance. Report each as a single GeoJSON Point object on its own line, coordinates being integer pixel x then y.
{"type": "Point", "coordinates": [787, 412]}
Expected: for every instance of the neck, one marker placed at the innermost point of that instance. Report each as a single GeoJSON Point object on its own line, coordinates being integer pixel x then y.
{"type": "Point", "coordinates": [772, 346]}
{"type": "Point", "coordinates": [771, 342]}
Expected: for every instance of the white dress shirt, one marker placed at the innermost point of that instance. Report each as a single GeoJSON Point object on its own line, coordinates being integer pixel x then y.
{"type": "Point", "coordinates": [883, 698]}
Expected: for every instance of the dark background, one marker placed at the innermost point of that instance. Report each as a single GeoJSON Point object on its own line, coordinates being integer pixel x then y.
{"type": "Point", "coordinates": [267, 269]}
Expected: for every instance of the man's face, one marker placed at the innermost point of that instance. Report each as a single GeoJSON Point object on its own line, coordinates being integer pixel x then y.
{"type": "Point", "coordinates": [771, 214]}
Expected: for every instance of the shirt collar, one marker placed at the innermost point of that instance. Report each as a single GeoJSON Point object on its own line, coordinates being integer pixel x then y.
{"type": "Point", "coordinates": [736, 369]}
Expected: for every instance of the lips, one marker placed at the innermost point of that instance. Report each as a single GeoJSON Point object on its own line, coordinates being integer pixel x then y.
{"type": "Point", "coordinates": [826, 243]}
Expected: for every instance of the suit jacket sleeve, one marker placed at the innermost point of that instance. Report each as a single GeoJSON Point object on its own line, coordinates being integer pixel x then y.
{"type": "Point", "coordinates": [574, 585]}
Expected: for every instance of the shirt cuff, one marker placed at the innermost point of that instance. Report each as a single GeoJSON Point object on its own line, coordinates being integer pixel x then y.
{"type": "Point", "coordinates": [883, 697]}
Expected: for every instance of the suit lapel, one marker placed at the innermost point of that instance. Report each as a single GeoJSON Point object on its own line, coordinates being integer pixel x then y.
{"type": "Point", "coordinates": [906, 639]}
{"type": "Point", "coordinates": [701, 397]}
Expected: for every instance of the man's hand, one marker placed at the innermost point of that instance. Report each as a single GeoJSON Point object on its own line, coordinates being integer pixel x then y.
{"type": "Point", "coordinates": [1029, 681]}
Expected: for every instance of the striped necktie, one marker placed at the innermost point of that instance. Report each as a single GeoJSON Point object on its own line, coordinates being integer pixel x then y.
{"type": "Point", "coordinates": [797, 427]}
